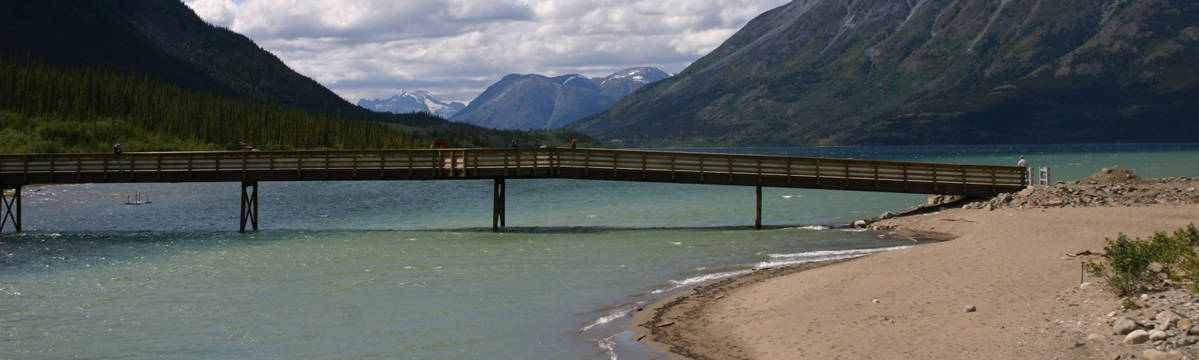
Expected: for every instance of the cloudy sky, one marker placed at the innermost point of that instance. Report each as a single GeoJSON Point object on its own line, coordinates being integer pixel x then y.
{"type": "Point", "coordinates": [456, 48]}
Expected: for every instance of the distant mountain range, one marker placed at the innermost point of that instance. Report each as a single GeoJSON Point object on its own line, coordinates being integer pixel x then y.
{"type": "Point", "coordinates": [832, 72]}
{"type": "Point", "coordinates": [418, 101]}
{"type": "Point", "coordinates": [539, 102]}
{"type": "Point", "coordinates": [164, 41]}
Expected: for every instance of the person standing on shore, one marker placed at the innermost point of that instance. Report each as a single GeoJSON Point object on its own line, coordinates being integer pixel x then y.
{"type": "Point", "coordinates": [1027, 171]}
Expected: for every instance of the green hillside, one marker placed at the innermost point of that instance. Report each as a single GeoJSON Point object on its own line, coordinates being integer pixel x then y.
{"type": "Point", "coordinates": [162, 48]}
{"type": "Point", "coordinates": [833, 72]}
{"type": "Point", "coordinates": [49, 110]}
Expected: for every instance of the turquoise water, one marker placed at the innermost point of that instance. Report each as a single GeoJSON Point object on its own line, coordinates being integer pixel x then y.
{"type": "Point", "coordinates": [364, 270]}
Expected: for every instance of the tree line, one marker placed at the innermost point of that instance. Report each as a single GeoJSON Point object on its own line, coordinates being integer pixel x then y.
{"type": "Point", "coordinates": [50, 109]}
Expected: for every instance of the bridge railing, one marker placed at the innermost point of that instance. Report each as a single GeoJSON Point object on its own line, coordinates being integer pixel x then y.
{"type": "Point", "coordinates": [510, 162]}
{"type": "Point", "coordinates": [713, 164]}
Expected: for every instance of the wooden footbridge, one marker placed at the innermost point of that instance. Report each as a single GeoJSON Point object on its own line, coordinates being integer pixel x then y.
{"type": "Point", "coordinates": [250, 168]}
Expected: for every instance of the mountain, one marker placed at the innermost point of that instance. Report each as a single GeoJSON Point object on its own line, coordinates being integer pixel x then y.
{"type": "Point", "coordinates": [539, 102]}
{"type": "Point", "coordinates": [625, 82]}
{"type": "Point", "coordinates": [164, 45]}
{"type": "Point", "coordinates": [162, 39]}
{"type": "Point", "coordinates": [831, 72]}
{"type": "Point", "coordinates": [413, 102]}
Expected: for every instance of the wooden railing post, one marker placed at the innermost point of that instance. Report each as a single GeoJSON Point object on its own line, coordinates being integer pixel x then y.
{"type": "Point", "coordinates": [905, 177]}
{"type": "Point", "coordinates": [328, 164]}
{"type": "Point", "coordinates": [644, 160]}
{"type": "Point", "coordinates": [788, 171]}
{"type": "Point", "coordinates": [875, 176]}
{"type": "Point", "coordinates": [615, 159]}
{"type": "Point", "coordinates": [846, 163]}
{"type": "Point", "coordinates": [673, 160]}
{"type": "Point", "coordinates": [994, 188]}
{"type": "Point", "coordinates": [817, 172]}
{"type": "Point", "coordinates": [354, 165]}
{"type": "Point", "coordinates": [963, 180]}
{"type": "Point", "coordinates": [934, 167]}
{"type": "Point", "coordinates": [729, 160]}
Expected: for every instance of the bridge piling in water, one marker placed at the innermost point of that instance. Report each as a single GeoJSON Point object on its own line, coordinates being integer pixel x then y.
{"type": "Point", "coordinates": [758, 208]}
{"type": "Point", "coordinates": [249, 205]}
{"type": "Point", "coordinates": [12, 209]}
{"type": "Point", "coordinates": [497, 208]}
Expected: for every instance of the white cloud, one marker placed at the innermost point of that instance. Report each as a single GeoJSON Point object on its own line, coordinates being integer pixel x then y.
{"type": "Point", "coordinates": [456, 48]}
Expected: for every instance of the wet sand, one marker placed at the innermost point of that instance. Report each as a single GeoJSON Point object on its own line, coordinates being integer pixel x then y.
{"type": "Point", "coordinates": [1011, 264]}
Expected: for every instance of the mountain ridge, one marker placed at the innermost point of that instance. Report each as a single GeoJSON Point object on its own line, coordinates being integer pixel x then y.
{"type": "Point", "coordinates": [534, 101]}
{"type": "Point", "coordinates": [822, 72]}
{"type": "Point", "coordinates": [416, 101]}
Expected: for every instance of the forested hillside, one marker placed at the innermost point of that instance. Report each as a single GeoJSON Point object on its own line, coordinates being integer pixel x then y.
{"type": "Point", "coordinates": [152, 70]}
{"type": "Point", "coordinates": [47, 109]}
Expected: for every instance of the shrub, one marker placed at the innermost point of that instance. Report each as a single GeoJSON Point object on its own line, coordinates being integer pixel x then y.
{"type": "Point", "coordinates": [1129, 267]}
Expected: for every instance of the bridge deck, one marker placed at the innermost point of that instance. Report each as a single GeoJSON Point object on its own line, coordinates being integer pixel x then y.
{"type": "Point", "coordinates": [589, 164]}
{"type": "Point", "coordinates": [250, 168]}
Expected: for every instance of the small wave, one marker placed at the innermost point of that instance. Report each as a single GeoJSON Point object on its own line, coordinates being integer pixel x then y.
{"type": "Point", "coordinates": [607, 318]}
{"type": "Point", "coordinates": [708, 277]}
{"type": "Point", "coordinates": [609, 347]}
{"type": "Point", "coordinates": [822, 255]}
{"type": "Point", "coordinates": [809, 227]}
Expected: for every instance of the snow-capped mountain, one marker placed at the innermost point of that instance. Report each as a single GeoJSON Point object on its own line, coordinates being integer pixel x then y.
{"type": "Point", "coordinates": [411, 102]}
{"type": "Point", "coordinates": [625, 82]}
{"type": "Point", "coordinates": [539, 102]}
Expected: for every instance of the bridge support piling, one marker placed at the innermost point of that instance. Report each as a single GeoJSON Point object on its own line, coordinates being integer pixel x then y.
{"type": "Point", "coordinates": [12, 209]}
{"type": "Point", "coordinates": [497, 209]}
{"type": "Point", "coordinates": [249, 204]}
{"type": "Point", "coordinates": [758, 208]}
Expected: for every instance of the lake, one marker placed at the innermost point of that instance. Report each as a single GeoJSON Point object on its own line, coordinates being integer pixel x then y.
{"type": "Point", "coordinates": [410, 269]}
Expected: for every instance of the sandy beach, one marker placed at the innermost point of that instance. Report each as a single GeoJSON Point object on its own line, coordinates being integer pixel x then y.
{"type": "Point", "coordinates": [1010, 264]}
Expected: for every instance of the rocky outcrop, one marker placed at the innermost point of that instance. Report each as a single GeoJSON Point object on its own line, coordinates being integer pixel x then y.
{"type": "Point", "coordinates": [1112, 186]}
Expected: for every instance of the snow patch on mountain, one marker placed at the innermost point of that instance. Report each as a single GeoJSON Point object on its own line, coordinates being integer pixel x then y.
{"type": "Point", "coordinates": [412, 102]}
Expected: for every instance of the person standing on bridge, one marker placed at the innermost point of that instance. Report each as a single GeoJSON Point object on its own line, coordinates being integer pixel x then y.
{"type": "Point", "coordinates": [574, 143]}
{"type": "Point", "coordinates": [116, 148]}
{"type": "Point", "coordinates": [1022, 163]}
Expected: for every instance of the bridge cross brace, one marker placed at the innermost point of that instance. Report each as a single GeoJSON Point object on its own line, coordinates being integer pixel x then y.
{"type": "Point", "coordinates": [12, 209]}
{"type": "Point", "coordinates": [249, 205]}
